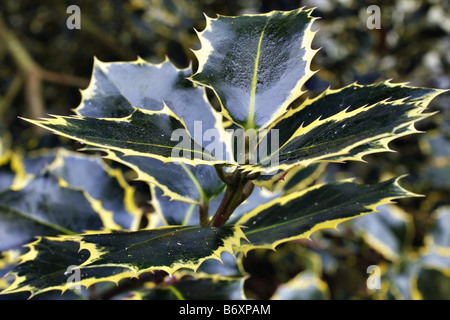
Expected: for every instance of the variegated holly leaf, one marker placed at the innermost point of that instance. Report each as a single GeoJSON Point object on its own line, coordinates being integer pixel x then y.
{"type": "Point", "coordinates": [345, 124]}
{"type": "Point", "coordinates": [44, 207]}
{"type": "Point", "coordinates": [299, 214]}
{"type": "Point", "coordinates": [256, 64]}
{"type": "Point", "coordinates": [53, 263]}
{"type": "Point", "coordinates": [351, 97]}
{"type": "Point", "coordinates": [183, 182]}
{"type": "Point", "coordinates": [12, 171]}
{"type": "Point", "coordinates": [106, 187]}
{"type": "Point", "coordinates": [304, 286]}
{"type": "Point", "coordinates": [389, 232]}
{"type": "Point", "coordinates": [154, 134]}
{"type": "Point", "coordinates": [179, 212]}
{"type": "Point", "coordinates": [194, 287]}
{"type": "Point", "coordinates": [296, 178]}
{"type": "Point", "coordinates": [183, 213]}
{"type": "Point", "coordinates": [117, 87]}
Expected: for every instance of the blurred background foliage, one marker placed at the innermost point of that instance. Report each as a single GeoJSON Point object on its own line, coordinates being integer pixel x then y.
{"type": "Point", "coordinates": [44, 64]}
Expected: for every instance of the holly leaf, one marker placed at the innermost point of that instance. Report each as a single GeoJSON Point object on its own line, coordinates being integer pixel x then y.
{"type": "Point", "coordinates": [106, 187]}
{"type": "Point", "coordinates": [351, 97]}
{"type": "Point", "coordinates": [116, 88]}
{"type": "Point", "coordinates": [304, 286]}
{"type": "Point", "coordinates": [340, 125]}
{"type": "Point", "coordinates": [179, 181]}
{"type": "Point", "coordinates": [256, 64]}
{"type": "Point", "coordinates": [299, 214]}
{"type": "Point", "coordinates": [112, 256]}
{"type": "Point", "coordinates": [44, 207]}
{"type": "Point", "coordinates": [143, 133]}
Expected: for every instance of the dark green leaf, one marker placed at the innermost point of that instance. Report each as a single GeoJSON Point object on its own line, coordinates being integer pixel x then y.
{"type": "Point", "coordinates": [179, 181]}
{"type": "Point", "coordinates": [117, 87]}
{"type": "Point", "coordinates": [143, 133]}
{"type": "Point", "coordinates": [256, 64]}
{"type": "Point", "coordinates": [301, 213]}
{"type": "Point", "coordinates": [112, 256]}
{"type": "Point", "coordinates": [44, 207]}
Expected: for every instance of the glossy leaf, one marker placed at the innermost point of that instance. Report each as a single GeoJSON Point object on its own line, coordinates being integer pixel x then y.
{"type": "Point", "coordinates": [44, 207]}
{"type": "Point", "coordinates": [256, 64]}
{"type": "Point", "coordinates": [117, 87]}
{"type": "Point", "coordinates": [51, 262]}
{"type": "Point", "coordinates": [351, 97]}
{"type": "Point", "coordinates": [143, 133]}
{"type": "Point", "coordinates": [113, 256]}
{"type": "Point", "coordinates": [299, 214]}
{"type": "Point", "coordinates": [107, 187]}
{"type": "Point", "coordinates": [347, 132]}
{"type": "Point", "coordinates": [179, 181]}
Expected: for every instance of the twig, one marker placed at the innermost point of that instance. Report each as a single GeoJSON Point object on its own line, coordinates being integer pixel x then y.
{"type": "Point", "coordinates": [33, 74]}
{"type": "Point", "coordinates": [10, 94]}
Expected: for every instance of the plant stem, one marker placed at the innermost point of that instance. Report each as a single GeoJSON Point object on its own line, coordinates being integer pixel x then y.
{"type": "Point", "coordinates": [240, 188]}
{"type": "Point", "coordinates": [204, 214]}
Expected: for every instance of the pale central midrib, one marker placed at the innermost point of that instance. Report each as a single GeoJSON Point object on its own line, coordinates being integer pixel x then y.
{"type": "Point", "coordinates": [196, 183]}
{"type": "Point", "coordinates": [38, 221]}
{"type": "Point", "coordinates": [251, 109]}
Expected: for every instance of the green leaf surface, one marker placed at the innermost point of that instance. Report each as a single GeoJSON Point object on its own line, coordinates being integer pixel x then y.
{"type": "Point", "coordinates": [304, 286]}
{"type": "Point", "coordinates": [143, 133]}
{"type": "Point", "coordinates": [51, 262]}
{"type": "Point", "coordinates": [179, 212]}
{"type": "Point", "coordinates": [256, 64]}
{"type": "Point", "coordinates": [113, 256]}
{"type": "Point", "coordinates": [107, 187]}
{"type": "Point", "coordinates": [44, 207]}
{"type": "Point", "coordinates": [308, 136]}
{"type": "Point", "coordinates": [389, 231]}
{"type": "Point", "coordinates": [351, 97]}
{"type": "Point", "coordinates": [179, 181]}
{"type": "Point", "coordinates": [116, 88]}
{"type": "Point", "coordinates": [301, 213]}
